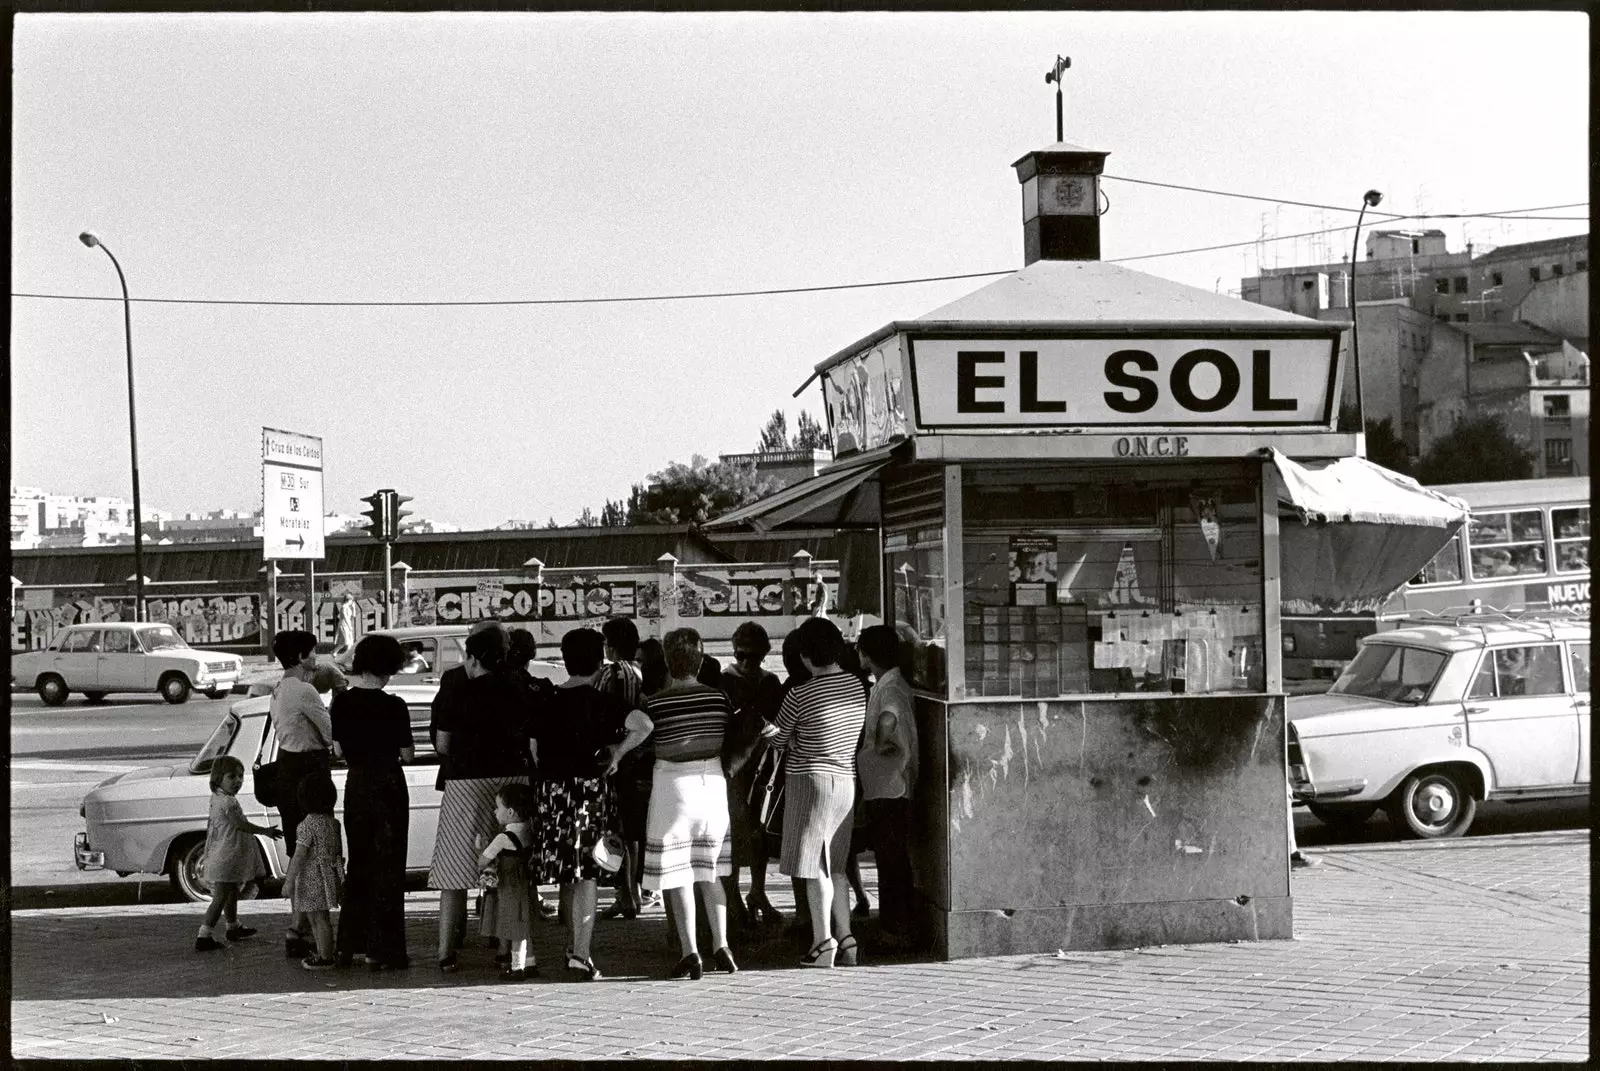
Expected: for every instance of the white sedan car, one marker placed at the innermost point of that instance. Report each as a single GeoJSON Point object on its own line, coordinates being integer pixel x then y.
{"type": "Point", "coordinates": [123, 656]}
{"type": "Point", "coordinates": [1430, 718]}
{"type": "Point", "coordinates": [153, 820]}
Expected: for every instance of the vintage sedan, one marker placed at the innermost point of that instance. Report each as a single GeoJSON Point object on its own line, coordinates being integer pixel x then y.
{"type": "Point", "coordinates": [124, 656]}
{"type": "Point", "coordinates": [153, 820]}
{"type": "Point", "coordinates": [1433, 717]}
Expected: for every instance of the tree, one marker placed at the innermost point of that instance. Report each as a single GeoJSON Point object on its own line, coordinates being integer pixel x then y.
{"type": "Point", "coordinates": [586, 519]}
{"type": "Point", "coordinates": [1479, 447]}
{"type": "Point", "coordinates": [551, 523]}
{"type": "Point", "coordinates": [614, 514]}
{"type": "Point", "coordinates": [697, 492]}
{"type": "Point", "coordinates": [775, 434]}
{"type": "Point", "coordinates": [1384, 447]}
{"type": "Point", "coordinates": [809, 434]}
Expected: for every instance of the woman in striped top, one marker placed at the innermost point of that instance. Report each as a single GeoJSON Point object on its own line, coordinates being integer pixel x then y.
{"type": "Point", "coordinates": [819, 725]}
{"type": "Point", "coordinates": [686, 830]}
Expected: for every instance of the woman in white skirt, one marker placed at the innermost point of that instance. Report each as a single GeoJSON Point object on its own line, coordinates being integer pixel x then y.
{"type": "Point", "coordinates": [686, 830]}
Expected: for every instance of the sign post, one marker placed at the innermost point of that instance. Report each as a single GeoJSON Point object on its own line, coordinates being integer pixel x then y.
{"type": "Point", "coordinates": [291, 504]}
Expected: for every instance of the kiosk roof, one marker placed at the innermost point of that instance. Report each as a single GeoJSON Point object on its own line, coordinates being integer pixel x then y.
{"type": "Point", "coordinates": [1094, 292]}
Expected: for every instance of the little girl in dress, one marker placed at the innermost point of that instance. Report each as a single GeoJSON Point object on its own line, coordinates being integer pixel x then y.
{"type": "Point", "coordinates": [232, 860]}
{"type": "Point", "coordinates": [508, 907]}
{"type": "Point", "coordinates": [314, 883]}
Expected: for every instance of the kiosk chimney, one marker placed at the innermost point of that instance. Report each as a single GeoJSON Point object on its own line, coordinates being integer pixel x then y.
{"type": "Point", "coordinates": [1060, 203]}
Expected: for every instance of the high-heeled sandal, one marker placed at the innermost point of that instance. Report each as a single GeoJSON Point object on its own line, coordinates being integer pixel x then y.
{"type": "Point", "coordinates": [688, 967]}
{"type": "Point", "coordinates": [821, 955]}
{"type": "Point", "coordinates": [849, 952]}
{"type": "Point", "coordinates": [762, 911]}
{"type": "Point", "coordinates": [723, 957]}
{"type": "Point", "coordinates": [582, 970]}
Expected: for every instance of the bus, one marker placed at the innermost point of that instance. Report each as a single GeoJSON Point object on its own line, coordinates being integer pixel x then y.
{"type": "Point", "coordinates": [1525, 547]}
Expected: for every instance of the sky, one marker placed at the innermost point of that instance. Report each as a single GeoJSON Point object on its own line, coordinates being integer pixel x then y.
{"type": "Point", "coordinates": [531, 157]}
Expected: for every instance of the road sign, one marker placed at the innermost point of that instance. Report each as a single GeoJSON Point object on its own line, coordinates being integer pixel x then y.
{"type": "Point", "coordinates": [291, 495]}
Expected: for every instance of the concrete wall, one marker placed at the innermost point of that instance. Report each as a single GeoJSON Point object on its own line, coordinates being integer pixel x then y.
{"type": "Point", "coordinates": [1560, 306]}
{"type": "Point", "coordinates": [1092, 824]}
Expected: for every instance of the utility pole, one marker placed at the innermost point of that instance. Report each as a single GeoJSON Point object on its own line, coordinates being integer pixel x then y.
{"type": "Point", "coordinates": [1054, 75]}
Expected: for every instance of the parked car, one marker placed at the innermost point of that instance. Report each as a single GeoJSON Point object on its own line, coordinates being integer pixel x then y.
{"type": "Point", "coordinates": [125, 656]}
{"type": "Point", "coordinates": [153, 820]}
{"type": "Point", "coordinates": [1429, 719]}
{"type": "Point", "coordinates": [432, 649]}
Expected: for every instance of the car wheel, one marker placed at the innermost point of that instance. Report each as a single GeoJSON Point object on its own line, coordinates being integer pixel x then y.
{"type": "Point", "coordinates": [1342, 815]}
{"type": "Point", "coordinates": [175, 688]}
{"type": "Point", "coordinates": [1433, 803]}
{"type": "Point", "coordinates": [95, 697]}
{"type": "Point", "coordinates": [187, 869]}
{"type": "Point", "coordinates": [53, 690]}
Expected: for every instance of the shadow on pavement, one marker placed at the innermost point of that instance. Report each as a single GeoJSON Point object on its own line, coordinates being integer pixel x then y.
{"type": "Point", "coordinates": [1494, 819]}
{"type": "Point", "coordinates": [112, 955]}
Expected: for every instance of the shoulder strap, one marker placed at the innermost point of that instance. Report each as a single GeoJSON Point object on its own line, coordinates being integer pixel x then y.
{"type": "Point", "coordinates": [514, 839]}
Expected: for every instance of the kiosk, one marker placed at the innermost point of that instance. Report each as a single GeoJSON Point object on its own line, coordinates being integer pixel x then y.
{"type": "Point", "coordinates": [1078, 473]}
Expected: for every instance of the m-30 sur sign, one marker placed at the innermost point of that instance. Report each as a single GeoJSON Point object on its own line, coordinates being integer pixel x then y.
{"type": "Point", "coordinates": [291, 496]}
{"type": "Point", "coordinates": [1122, 382]}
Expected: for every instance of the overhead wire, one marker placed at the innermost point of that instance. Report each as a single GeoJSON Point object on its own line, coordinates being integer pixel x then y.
{"type": "Point", "coordinates": [1510, 214]}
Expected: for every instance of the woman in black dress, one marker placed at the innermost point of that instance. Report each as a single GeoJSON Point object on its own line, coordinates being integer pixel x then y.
{"type": "Point", "coordinates": [372, 732]}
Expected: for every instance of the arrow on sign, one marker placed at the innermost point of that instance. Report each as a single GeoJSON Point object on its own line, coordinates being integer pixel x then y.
{"type": "Point", "coordinates": [297, 541]}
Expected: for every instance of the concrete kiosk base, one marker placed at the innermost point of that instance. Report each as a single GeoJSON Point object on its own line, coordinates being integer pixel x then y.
{"type": "Point", "coordinates": [1090, 824]}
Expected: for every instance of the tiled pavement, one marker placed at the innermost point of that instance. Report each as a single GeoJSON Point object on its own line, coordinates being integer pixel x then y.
{"type": "Point", "coordinates": [1470, 950]}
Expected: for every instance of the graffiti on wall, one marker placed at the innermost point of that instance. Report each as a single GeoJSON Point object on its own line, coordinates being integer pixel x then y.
{"type": "Point", "coordinates": [209, 621]}
{"type": "Point", "coordinates": [231, 620]}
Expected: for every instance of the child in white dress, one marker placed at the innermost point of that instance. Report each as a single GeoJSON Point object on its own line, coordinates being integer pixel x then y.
{"type": "Point", "coordinates": [231, 855]}
{"type": "Point", "coordinates": [508, 906]}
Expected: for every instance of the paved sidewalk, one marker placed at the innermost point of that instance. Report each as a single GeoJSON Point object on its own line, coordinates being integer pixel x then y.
{"type": "Point", "coordinates": [1473, 949]}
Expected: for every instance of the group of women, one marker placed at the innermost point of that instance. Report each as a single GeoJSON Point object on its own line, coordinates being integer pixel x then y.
{"type": "Point", "coordinates": [656, 750]}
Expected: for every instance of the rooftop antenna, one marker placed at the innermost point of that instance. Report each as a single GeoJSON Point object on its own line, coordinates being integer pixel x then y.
{"type": "Point", "coordinates": [1054, 75]}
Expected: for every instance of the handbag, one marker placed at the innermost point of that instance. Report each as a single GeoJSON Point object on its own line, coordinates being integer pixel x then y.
{"type": "Point", "coordinates": [266, 783]}
{"type": "Point", "coordinates": [767, 792]}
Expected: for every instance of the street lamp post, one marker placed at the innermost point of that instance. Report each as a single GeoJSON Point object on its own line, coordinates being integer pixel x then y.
{"type": "Point", "coordinates": [1370, 199]}
{"type": "Point", "coordinates": [90, 239]}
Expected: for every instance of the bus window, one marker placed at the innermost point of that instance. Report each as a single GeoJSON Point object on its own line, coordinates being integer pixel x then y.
{"type": "Point", "coordinates": [1445, 568]}
{"type": "Point", "coordinates": [1571, 526]}
{"type": "Point", "coordinates": [1507, 543]}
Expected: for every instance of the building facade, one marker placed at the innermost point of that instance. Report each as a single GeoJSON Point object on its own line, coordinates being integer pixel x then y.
{"type": "Point", "coordinates": [1534, 298]}
{"type": "Point", "coordinates": [1534, 380]}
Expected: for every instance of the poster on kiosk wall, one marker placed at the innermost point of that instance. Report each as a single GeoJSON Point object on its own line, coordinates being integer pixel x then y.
{"type": "Point", "coordinates": [1033, 570]}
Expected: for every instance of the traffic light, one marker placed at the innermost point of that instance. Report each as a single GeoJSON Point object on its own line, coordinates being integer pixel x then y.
{"type": "Point", "coordinates": [380, 511]}
{"type": "Point", "coordinates": [397, 515]}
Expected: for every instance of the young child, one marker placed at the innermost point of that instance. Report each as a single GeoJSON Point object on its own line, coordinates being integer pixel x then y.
{"type": "Point", "coordinates": [231, 856]}
{"type": "Point", "coordinates": [315, 882]}
{"type": "Point", "coordinates": [508, 907]}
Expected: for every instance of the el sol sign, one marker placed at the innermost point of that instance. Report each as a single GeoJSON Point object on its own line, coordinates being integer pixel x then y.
{"type": "Point", "coordinates": [1122, 382]}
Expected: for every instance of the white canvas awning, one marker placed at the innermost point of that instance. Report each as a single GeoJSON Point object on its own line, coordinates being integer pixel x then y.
{"type": "Point", "coordinates": [1363, 532]}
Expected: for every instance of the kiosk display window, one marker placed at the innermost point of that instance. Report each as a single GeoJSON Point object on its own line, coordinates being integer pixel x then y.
{"type": "Point", "coordinates": [914, 562]}
{"type": "Point", "coordinates": [1088, 583]}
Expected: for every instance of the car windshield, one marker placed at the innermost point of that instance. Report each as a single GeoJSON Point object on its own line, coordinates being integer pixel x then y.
{"type": "Point", "coordinates": [221, 739]}
{"type": "Point", "coordinates": [1390, 672]}
{"type": "Point", "coordinates": [161, 638]}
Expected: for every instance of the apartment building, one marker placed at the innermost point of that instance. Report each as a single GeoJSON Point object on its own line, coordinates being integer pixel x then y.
{"type": "Point", "coordinates": [1409, 285]}
{"type": "Point", "coordinates": [1536, 381]}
